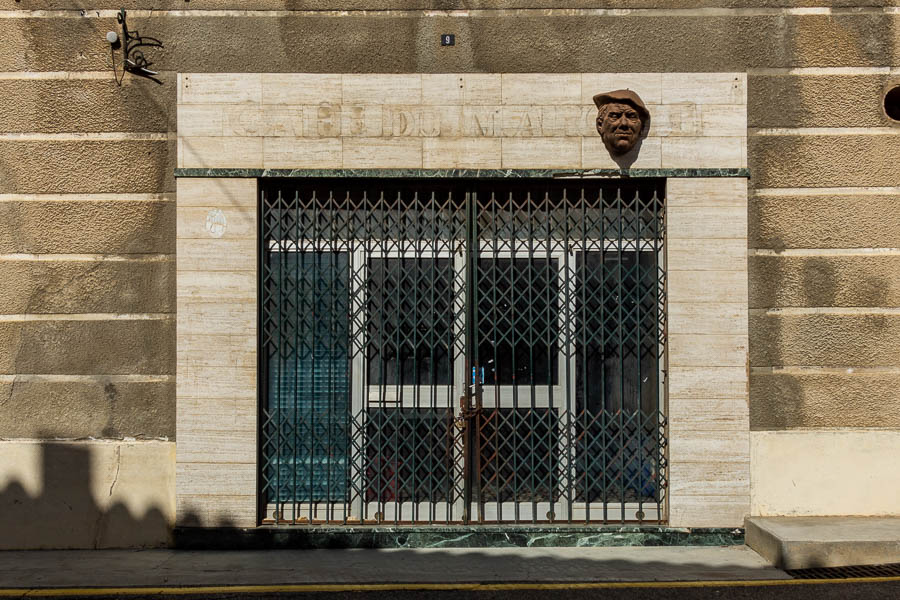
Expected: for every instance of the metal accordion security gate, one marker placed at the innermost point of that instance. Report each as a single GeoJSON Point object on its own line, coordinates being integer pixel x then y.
{"type": "Point", "coordinates": [462, 351]}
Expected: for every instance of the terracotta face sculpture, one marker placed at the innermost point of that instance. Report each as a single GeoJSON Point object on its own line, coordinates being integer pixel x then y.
{"type": "Point", "coordinates": [621, 115]}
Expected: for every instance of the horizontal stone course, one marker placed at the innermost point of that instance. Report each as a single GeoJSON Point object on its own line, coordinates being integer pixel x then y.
{"type": "Point", "coordinates": [567, 43]}
{"type": "Point", "coordinates": [103, 347]}
{"type": "Point", "coordinates": [86, 166]}
{"type": "Point", "coordinates": [86, 286]}
{"type": "Point", "coordinates": [827, 340]}
{"type": "Point", "coordinates": [824, 100]}
{"type": "Point", "coordinates": [92, 105]}
{"type": "Point", "coordinates": [724, 479]}
{"type": "Point", "coordinates": [867, 220]}
{"type": "Point", "coordinates": [103, 408]}
{"type": "Point", "coordinates": [862, 280]}
{"type": "Point", "coordinates": [87, 226]}
{"type": "Point", "coordinates": [780, 161]}
{"type": "Point", "coordinates": [788, 400]}
{"type": "Point", "coordinates": [707, 350]}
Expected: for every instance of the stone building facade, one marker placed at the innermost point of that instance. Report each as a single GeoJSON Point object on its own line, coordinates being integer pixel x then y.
{"type": "Point", "coordinates": [130, 383]}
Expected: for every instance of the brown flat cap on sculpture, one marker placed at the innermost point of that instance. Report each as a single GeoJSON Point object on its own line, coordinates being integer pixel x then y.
{"type": "Point", "coordinates": [621, 115]}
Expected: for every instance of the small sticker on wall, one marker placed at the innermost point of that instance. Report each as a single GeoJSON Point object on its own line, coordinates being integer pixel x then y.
{"type": "Point", "coordinates": [215, 223]}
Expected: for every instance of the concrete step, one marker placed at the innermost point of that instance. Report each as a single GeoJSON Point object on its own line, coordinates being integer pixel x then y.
{"type": "Point", "coordinates": [813, 542]}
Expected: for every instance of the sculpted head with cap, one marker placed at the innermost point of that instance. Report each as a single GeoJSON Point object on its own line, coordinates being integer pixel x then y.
{"type": "Point", "coordinates": [621, 116]}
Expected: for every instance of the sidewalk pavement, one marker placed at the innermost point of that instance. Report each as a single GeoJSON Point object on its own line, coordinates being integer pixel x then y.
{"type": "Point", "coordinates": [164, 568]}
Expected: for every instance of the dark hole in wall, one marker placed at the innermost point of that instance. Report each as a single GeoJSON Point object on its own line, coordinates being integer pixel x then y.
{"type": "Point", "coordinates": [892, 103]}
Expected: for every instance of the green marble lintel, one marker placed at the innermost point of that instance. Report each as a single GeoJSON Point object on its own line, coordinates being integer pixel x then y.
{"type": "Point", "coordinates": [464, 173]}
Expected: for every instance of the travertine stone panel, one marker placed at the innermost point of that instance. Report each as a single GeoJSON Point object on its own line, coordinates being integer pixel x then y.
{"type": "Point", "coordinates": [523, 153]}
{"type": "Point", "coordinates": [542, 88]}
{"type": "Point", "coordinates": [709, 448]}
{"type": "Point", "coordinates": [213, 350]}
{"type": "Point", "coordinates": [214, 382]}
{"type": "Point", "coordinates": [706, 350]}
{"type": "Point", "coordinates": [461, 88]}
{"type": "Point", "coordinates": [216, 511]}
{"type": "Point", "coordinates": [194, 222]}
{"type": "Point", "coordinates": [709, 254]}
{"type": "Point", "coordinates": [217, 479]}
{"type": "Point", "coordinates": [220, 88]}
{"type": "Point", "coordinates": [467, 153]}
{"type": "Point", "coordinates": [545, 120]}
{"type": "Point", "coordinates": [216, 354]}
{"type": "Point", "coordinates": [700, 383]}
{"type": "Point", "coordinates": [367, 88]}
{"type": "Point", "coordinates": [715, 152]}
{"type": "Point", "coordinates": [704, 88]}
{"type": "Point", "coordinates": [213, 255]}
{"type": "Point", "coordinates": [220, 152]}
{"type": "Point", "coordinates": [707, 286]}
{"type": "Point", "coordinates": [287, 152]}
{"type": "Point", "coordinates": [231, 318]}
{"type": "Point", "coordinates": [726, 444]}
{"type": "Point", "coordinates": [709, 193]}
{"type": "Point", "coordinates": [647, 85]}
{"type": "Point", "coordinates": [699, 417]}
{"type": "Point", "coordinates": [705, 223]}
{"type": "Point", "coordinates": [220, 284]}
{"type": "Point", "coordinates": [301, 88]}
{"type": "Point", "coordinates": [648, 155]}
{"type": "Point", "coordinates": [722, 318]}
{"type": "Point", "coordinates": [390, 153]}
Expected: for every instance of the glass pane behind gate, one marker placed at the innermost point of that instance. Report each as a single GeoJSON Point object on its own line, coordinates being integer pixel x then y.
{"type": "Point", "coordinates": [617, 376]}
{"type": "Point", "coordinates": [308, 379]}
{"type": "Point", "coordinates": [409, 318]}
{"type": "Point", "coordinates": [518, 321]}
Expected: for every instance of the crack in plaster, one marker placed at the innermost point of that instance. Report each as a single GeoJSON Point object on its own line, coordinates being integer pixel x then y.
{"type": "Point", "coordinates": [118, 465]}
{"type": "Point", "coordinates": [101, 516]}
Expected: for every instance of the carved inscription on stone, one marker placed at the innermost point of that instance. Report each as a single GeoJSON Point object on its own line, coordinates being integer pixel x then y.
{"type": "Point", "coordinates": [334, 120]}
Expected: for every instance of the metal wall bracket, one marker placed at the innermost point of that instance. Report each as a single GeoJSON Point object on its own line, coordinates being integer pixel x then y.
{"type": "Point", "coordinates": [133, 60]}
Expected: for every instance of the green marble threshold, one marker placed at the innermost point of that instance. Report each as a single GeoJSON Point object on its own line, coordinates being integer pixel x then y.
{"type": "Point", "coordinates": [464, 173]}
{"type": "Point", "coordinates": [451, 536]}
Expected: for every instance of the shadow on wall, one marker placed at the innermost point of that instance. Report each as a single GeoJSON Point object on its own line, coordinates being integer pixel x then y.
{"type": "Point", "coordinates": [83, 499]}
